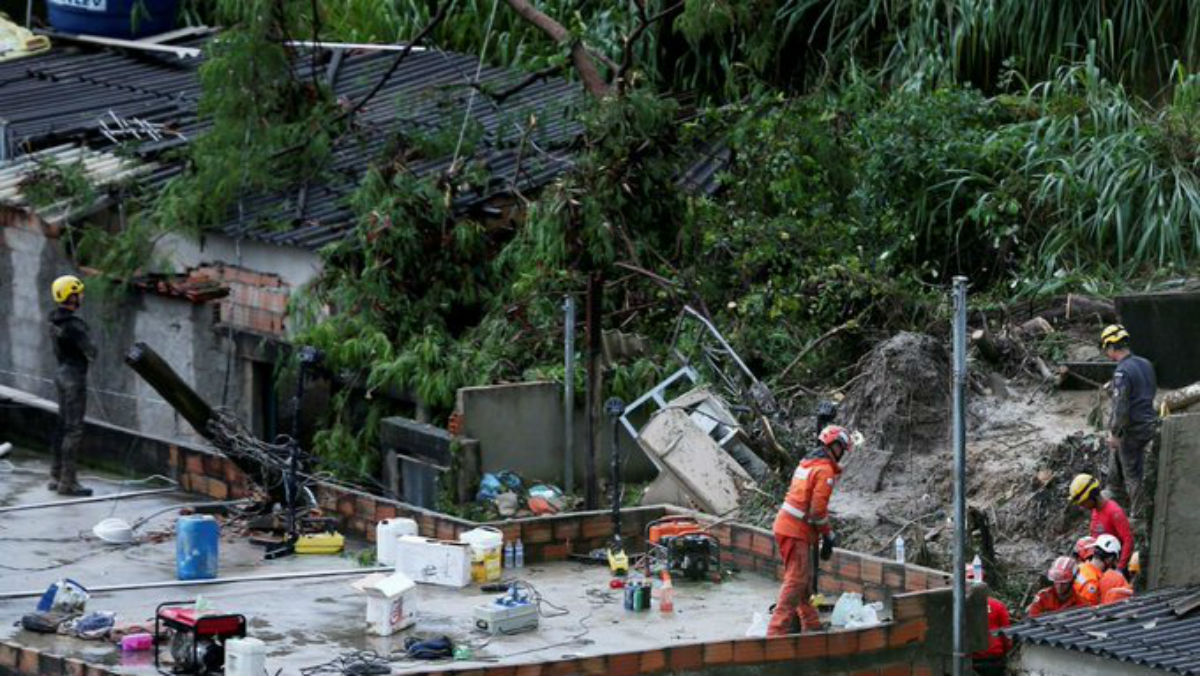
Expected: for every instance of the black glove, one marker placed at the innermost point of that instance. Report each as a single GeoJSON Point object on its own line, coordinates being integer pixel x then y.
{"type": "Point", "coordinates": [827, 543]}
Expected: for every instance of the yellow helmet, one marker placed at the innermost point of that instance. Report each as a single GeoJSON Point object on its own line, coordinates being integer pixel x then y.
{"type": "Point", "coordinates": [1135, 563]}
{"type": "Point", "coordinates": [64, 286]}
{"type": "Point", "coordinates": [1082, 487]}
{"type": "Point", "coordinates": [1113, 334]}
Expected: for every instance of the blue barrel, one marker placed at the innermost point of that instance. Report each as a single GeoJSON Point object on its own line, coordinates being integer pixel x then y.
{"type": "Point", "coordinates": [196, 542]}
{"type": "Point", "coordinates": [113, 18]}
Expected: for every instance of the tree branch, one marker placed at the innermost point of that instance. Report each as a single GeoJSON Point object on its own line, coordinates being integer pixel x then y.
{"type": "Point", "coordinates": [592, 80]}
{"type": "Point", "coordinates": [644, 22]}
{"type": "Point", "coordinates": [503, 95]}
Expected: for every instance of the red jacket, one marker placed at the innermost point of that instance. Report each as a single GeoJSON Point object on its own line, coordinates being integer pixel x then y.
{"type": "Point", "coordinates": [1046, 601]}
{"type": "Point", "coordinates": [997, 619]}
{"type": "Point", "coordinates": [1111, 519]}
{"type": "Point", "coordinates": [805, 511]}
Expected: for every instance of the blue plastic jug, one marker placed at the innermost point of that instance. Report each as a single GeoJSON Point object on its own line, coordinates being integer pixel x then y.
{"type": "Point", "coordinates": [196, 540]}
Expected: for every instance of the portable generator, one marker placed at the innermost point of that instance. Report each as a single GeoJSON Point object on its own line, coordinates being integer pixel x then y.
{"type": "Point", "coordinates": [197, 643]}
{"type": "Point", "coordinates": [512, 613]}
{"type": "Point", "coordinates": [685, 547]}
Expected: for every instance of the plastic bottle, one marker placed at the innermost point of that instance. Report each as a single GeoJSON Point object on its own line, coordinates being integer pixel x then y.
{"type": "Point", "coordinates": [976, 569]}
{"type": "Point", "coordinates": [666, 596]}
{"type": "Point", "coordinates": [520, 554]}
{"type": "Point", "coordinates": [136, 642]}
{"type": "Point", "coordinates": [900, 549]}
{"type": "Point", "coordinates": [509, 555]}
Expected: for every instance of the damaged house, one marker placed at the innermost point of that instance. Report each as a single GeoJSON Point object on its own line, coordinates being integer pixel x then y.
{"type": "Point", "coordinates": [86, 125]}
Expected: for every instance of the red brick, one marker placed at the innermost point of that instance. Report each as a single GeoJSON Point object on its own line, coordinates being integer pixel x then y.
{"type": "Point", "coordinates": [842, 643]}
{"type": "Point", "coordinates": [718, 653]}
{"type": "Point", "coordinates": [510, 530]}
{"type": "Point", "coordinates": [214, 466]}
{"type": "Point", "coordinates": [908, 606]}
{"type": "Point", "coordinates": [9, 653]}
{"type": "Point", "coordinates": [173, 456]}
{"type": "Point", "coordinates": [27, 661]}
{"type": "Point", "coordinates": [686, 657]}
{"type": "Point", "coordinates": [535, 532]}
{"type": "Point", "coordinates": [922, 669]}
{"type": "Point", "coordinates": [384, 511]}
{"type": "Point", "coordinates": [744, 561]}
{"type": "Point", "coordinates": [871, 570]}
{"type": "Point", "coordinates": [427, 525]}
{"type": "Point", "coordinates": [555, 551]}
{"type": "Point", "coordinates": [500, 671]}
{"type": "Point", "coordinates": [593, 666]}
{"type": "Point", "coordinates": [871, 640]}
{"type": "Point", "coordinates": [233, 473]}
{"type": "Point", "coordinates": [567, 528]}
{"type": "Point", "coordinates": [723, 533]}
{"type": "Point", "coordinates": [364, 507]}
{"type": "Point", "coordinates": [811, 646]}
{"type": "Point", "coordinates": [194, 464]}
{"type": "Point", "coordinates": [893, 576]}
{"type": "Point", "coordinates": [50, 665]}
{"type": "Point", "coordinates": [597, 527]}
{"type": "Point", "coordinates": [749, 650]}
{"type": "Point", "coordinates": [911, 631]}
{"type": "Point", "coordinates": [346, 505]}
{"type": "Point", "coordinates": [763, 545]}
{"type": "Point", "coordinates": [848, 568]}
{"type": "Point", "coordinates": [624, 664]}
{"type": "Point", "coordinates": [851, 586]}
{"type": "Point", "coordinates": [780, 648]}
{"type": "Point", "coordinates": [743, 539]}
{"type": "Point", "coordinates": [652, 660]}
{"type": "Point", "coordinates": [865, 672]}
{"type": "Point", "coordinates": [915, 580]}
{"type": "Point", "coordinates": [94, 670]}
{"type": "Point", "coordinates": [898, 669]}
{"type": "Point", "coordinates": [445, 530]}
{"type": "Point", "coordinates": [217, 489]}
{"type": "Point", "coordinates": [74, 667]}
{"type": "Point", "coordinates": [534, 669]}
{"type": "Point", "coordinates": [561, 668]}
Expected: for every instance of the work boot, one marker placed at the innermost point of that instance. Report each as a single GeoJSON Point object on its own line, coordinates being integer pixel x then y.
{"type": "Point", "coordinates": [75, 491]}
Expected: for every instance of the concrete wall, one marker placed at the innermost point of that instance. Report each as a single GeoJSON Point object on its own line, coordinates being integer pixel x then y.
{"type": "Point", "coordinates": [182, 332]}
{"type": "Point", "coordinates": [1036, 660]}
{"type": "Point", "coordinates": [520, 427]}
{"type": "Point", "coordinates": [295, 266]}
{"type": "Point", "coordinates": [1175, 532]}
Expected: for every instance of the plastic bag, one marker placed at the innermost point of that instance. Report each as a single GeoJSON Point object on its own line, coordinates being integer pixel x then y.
{"type": "Point", "coordinates": [848, 605]}
{"type": "Point", "coordinates": [65, 596]}
{"type": "Point", "coordinates": [758, 626]}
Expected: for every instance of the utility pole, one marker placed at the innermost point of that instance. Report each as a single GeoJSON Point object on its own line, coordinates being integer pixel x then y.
{"type": "Point", "coordinates": [595, 292]}
{"type": "Point", "coordinates": [569, 394]}
{"type": "Point", "coordinates": [959, 439]}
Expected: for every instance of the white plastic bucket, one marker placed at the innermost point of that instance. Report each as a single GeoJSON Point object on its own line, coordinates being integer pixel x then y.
{"type": "Point", "coordinates": [486, 550]}
{"type": "Point", "coordinates": [387, 532]}
{"type": "Point", "coordinates": [245, 657]}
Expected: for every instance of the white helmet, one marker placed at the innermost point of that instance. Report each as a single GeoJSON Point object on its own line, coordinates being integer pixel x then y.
{"type": "Point", "coordinates": [1109, 544]}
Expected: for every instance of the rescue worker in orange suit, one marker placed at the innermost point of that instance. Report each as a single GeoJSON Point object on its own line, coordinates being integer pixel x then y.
{"type": "Point", "coordinates": [992, 662]}
{"type": "Point", "coordinates": [802, 522]}
{"type": "Point", "coordinates": [1059, 595]}
{"type": "Point", "coordinates": [1086, 586]}
{"type": "Point", "coordinates": [1107, 515]}
{"type": "Point", "coordinates": [1113, 585]}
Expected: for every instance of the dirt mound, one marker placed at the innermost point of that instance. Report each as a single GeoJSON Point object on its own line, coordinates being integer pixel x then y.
{"type": "Point", "coordinates": [1044, 513]}
{"type": "Point", "coordinates": [901, 399]}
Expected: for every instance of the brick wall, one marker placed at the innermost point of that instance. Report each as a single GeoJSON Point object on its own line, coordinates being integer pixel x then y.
{"type": "Point", "coordinates": [19, 660]}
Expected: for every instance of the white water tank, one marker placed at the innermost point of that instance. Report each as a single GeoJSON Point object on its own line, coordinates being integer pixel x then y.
{"type": "Point", "coordinates": [245, 657]}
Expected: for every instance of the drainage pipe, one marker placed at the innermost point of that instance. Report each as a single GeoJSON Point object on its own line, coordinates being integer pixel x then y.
{"type": "Point", "coordinates": [198, 583]}
{"type": "Point", "coordinates": [82, 501]}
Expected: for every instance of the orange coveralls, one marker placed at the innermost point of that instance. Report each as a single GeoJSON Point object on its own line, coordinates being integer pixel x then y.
{"type": "Point", "coordinates": [1046, 601]}
{"type": "Point", "coordinates": [1114, 587]}
{"type": "Point", "coordinates": [802, 519]}
{"type": "Point", "coordinates": [1087, 585]}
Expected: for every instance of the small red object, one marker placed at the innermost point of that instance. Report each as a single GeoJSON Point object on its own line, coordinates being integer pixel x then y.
{"type": "Point", "coordinates": [616, 583]}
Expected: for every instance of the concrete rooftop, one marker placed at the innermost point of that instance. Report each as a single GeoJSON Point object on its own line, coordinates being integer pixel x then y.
{"type": "Point", "coordinates": [308, 622]}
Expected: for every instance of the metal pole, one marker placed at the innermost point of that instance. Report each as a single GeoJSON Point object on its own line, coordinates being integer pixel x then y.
{"type": "Point", "coordinates": [569, 395]}
{"type": "Point", "coordinates": [960, 474]}
{"type": "Point", "coordinates": [28, 13]}
{"type": "Point", "coordinates": [198, 583]}
{"type": "Point", "coordinates": [82, 501]}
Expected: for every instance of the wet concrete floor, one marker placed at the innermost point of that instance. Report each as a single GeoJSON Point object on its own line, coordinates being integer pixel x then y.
{"type": "Point", "coordinates": [309, 622]}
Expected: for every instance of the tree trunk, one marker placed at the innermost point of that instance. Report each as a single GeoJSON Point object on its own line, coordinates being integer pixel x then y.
{"type": "Point", "coordinates": [584, 64]}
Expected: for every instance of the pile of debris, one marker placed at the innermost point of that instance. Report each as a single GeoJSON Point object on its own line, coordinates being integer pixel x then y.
{"type": "Point", "coordinates": [1043, 511]}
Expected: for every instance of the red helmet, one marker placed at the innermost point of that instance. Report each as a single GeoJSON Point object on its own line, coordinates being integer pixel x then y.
{"type": "Point", "coordinates": [833, 434]}
{"type": "Point", "coordinates": [1062, 570]}
{"type": "Point", "coordinates": [1085, 547]}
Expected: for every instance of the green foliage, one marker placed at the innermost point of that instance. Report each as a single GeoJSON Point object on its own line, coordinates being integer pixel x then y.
{"type": "Point", "coordinates": [54, 183]}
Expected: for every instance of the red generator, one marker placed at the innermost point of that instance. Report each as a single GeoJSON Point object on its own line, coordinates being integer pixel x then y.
{"type": "Point", "coordinates": [197, 644]}
{"type": "Point", "coordinates": [684, 546]}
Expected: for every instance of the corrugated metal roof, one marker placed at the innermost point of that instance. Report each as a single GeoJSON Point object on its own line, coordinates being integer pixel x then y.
{"type": "Point", "coordinates": [1159, 630]}
{"type": "Point", "coordinates": [102, 169]}
{"type": "Point", "coordinates": [69, 92]}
